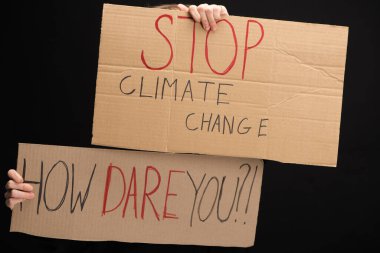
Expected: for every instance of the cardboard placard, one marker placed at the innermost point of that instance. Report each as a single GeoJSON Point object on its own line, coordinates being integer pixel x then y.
{"type": "Point", "coordinates": [255, 87]}
{"type": "Point", "coordinates": [129, 196]}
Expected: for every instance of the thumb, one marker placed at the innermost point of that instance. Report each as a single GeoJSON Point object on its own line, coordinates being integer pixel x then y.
{"type": "Point", "coordinates": [183, 7]}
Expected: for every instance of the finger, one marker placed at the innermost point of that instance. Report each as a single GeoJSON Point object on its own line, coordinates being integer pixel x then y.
{"type": "Point", "coordinates": [223, 11]}
{"type": "Point", "coordinates": [18, 194]}
{"type": "Point", "coordinates": [216, 11]}
{"type": "Point", "coordinates": [12, 174]}
{"type": "Point", "coordinates": [202, 12]}
{"type": "Point", "coordinates": [12, 202]}
{"type": "Point", "coordinates": [183, 7]}
{"type": "Point", "coordinates": [21, 186]}
{"type": "Point", "coordinates": [210, 18]}
{"type": "Point", "coordinates": [194, 13]}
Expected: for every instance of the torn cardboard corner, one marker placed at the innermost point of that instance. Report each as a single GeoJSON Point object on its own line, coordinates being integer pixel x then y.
{"type": "Point", "coordinates": [259, 88]}
{"type": "Point", "coordinates": [134, 196]}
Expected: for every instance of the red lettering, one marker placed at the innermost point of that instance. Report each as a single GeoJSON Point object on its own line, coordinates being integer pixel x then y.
{"type": "Point", "coordinates": [246, 48]}
{"type": "Point", "coordinates": [168, 215]}
{"type": "Point", "coordinates": [193, 42]}
{"type": "Point", "coordinates": [236, 49]}
{"type": "Point", "coordinates": [148, 194]}
{"type": "Point", "coordinates": [106, 189]}
{"type": "Point", "coordinates": [134, 195]}
{"type": "Point", "coordinates": [167, 40]}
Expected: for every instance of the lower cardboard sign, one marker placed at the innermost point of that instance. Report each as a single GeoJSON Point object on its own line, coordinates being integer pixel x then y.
{"type": "Point", "coordinates": [133, 196]}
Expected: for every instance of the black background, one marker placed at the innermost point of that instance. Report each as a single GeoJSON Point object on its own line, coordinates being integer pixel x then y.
{"type": "Point", "coordinates": [49, 97]}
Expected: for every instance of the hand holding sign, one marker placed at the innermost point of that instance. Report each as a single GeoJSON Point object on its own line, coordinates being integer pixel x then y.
{"type": "Point", "coordinates": [206, 14]}
{"type": "Point", "coordinates": [167, 85]}
{"type": "Point", "coordinates": [17, 190]}
{"type": "Point", "coordinates": [138, 196]}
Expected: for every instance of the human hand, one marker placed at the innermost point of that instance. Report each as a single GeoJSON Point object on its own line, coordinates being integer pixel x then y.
{"type": "Point", "coordinates": [17, 191]}
{"type": "Point", "coordinates": [206, 14]}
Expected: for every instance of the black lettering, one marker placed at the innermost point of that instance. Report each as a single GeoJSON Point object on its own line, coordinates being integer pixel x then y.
{"type": "Point", "coordinates": [206, 121]}
{"type": "Point", "coordinates": [188, 84]}
{"type": "Point", "coordinates": [230, 127]}
{"type": "Point", "coordinates": [261, 126]}
{"type": "Point", "coordinates": [79, 196]}
{"type": "Point", "coordinates": [66, 187]}
{"type": "Point", "coordinates": [241, 188]}
{"type": "Point", "coordinates": [141, 89]}
{"type": "Point", "coordinates": [218, 101]}
{"type": "Point", "coordinates": [245, 128]}
{"type": "Point", "coordinates": [121, 86]}
{"type": "Point", "coordinates": [187, 120]}
{"type": "Point", "coordinates": [220, 197]}
{"type": "Point", "coordinates": [155, 94]}
{"type": "Point", "coordinates": [40, 183]}
{"type": "Point", "coordinates": [195, 196]}
{"type": "Point", "coordinates": [216, 123]}
{"type": "Point", "coordinates": [205, 90]}
{"type": "Point", "coordinates": [250, 189]}
{"type": "Point", "coordinates": [170, 85]}
{"type": "Point", "coordinates": [213, 204]}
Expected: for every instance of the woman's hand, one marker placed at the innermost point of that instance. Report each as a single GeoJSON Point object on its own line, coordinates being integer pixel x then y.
{"type": "Point", "coordinates": [17, 191]}
{"type": "Point", "coordinates": [206, 14]}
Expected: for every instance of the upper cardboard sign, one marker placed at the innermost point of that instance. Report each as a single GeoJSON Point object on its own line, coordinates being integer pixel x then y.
{"type": "Point", "coordinates": [253, 88]}
{"type": "Point", "coordinates": [100, 195]}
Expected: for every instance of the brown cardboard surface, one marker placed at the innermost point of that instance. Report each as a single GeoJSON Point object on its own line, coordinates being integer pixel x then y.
{"type": "Point", "coordinates": [190, 199]}
{"type": "Point", "coordinates": [285, 107]}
